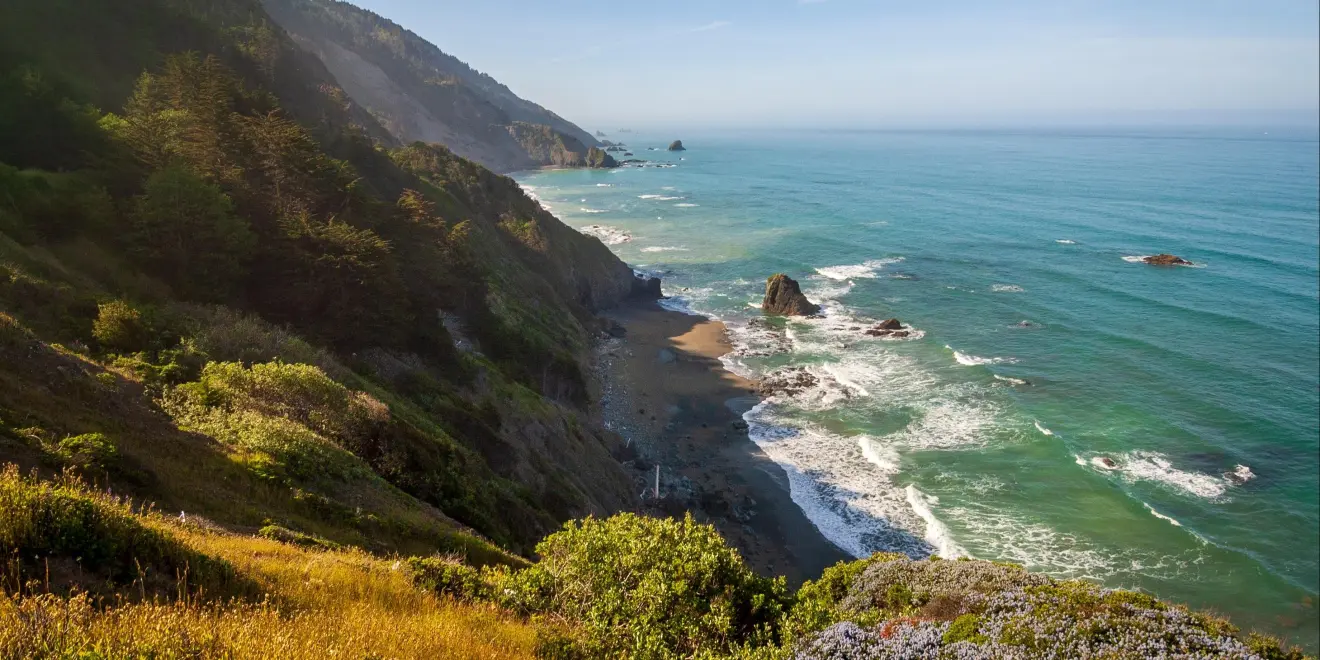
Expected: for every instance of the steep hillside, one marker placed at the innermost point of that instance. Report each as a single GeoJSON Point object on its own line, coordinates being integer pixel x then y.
{"type": "Point", "coordinates": [234, 224]}
{"type": "Point", "coordinates": [421, 94]}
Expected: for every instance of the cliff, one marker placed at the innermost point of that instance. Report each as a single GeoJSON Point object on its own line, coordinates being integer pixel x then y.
{"type": "Point", "coordinates": [550, 147]}
{"type": "Point", "coordinates": [418, 92]}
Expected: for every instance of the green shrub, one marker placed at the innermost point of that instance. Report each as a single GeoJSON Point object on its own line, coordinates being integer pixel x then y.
{"type": "Point", "coordinates": [119, 326]}
{"type": "Point", "coordinates": [293, 537]}
{"type": "Point", "coordinates": [964, 628]}
{"type": "Point", "coordinates": [89, 451]}
{"type": "Point", "coordinates": [449, 577]}
{"type": "Point", "coordinates": [648, 588]}
{"type": "Point", "coordinates": [297, 392]}
{"type": "Point", "coordinates": [44, 523]}
{"type": "Point", "coordinates": [816, 604]}
{"type": "Point", "coordinates": [1269, 648]}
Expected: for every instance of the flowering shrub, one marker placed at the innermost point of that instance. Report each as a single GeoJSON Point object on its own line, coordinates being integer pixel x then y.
{"type": "Point", "coordinates": [973, 610]}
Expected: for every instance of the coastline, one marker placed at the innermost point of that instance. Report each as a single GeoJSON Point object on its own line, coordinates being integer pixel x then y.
{"type": "Point", "coordinates": [664, 388]}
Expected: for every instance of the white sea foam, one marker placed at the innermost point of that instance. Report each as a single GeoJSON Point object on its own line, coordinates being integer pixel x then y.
{"type": "Point", "coordinates": [844, 485]}
{"type": "Point", "coordinates": [587, 210]}
{"type": "Point", "coordinates": [1065, 241]}
{"type": "Point", "coordinates": [664, 248]}
{"type": "Point", "coordinates": [972, 360]}
{"type": "Point", "coordinates": [1032, 544]}
{"type": "Point", "coordinates": [607, 235]}
{"type": "Point", "coordinates": [1136, 259]}
{"type": "Point", "coordinates": [660, 198]}
{"type": "Point", "coordinates": [1156, 467]}
{"type": "Point", "coordinates": [1007, 288]}
{"type": "Point", "coordinates": [604, 185]}
{"type": "Point", "coordinates": [1041, 427]}
{"type": "Point", "coordinates": [936, 533]}
{"type": "Point", "coordinates": [684, 206]}
{"type": "Point", "coordinates": [1010, 381]}
{"type": "Point", "coordinates": [1161, 516]}
{"type": "Point", "coordinates": [863, 270]}
{"type": "Point", "coordinates": [1242, 474]}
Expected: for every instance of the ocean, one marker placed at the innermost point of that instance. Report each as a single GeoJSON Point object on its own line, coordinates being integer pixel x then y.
{"type": "Point", "coordinates": [1058, 404]}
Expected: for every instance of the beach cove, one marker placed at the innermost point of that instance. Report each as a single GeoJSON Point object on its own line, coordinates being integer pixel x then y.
{"type": "Point", "coordinates": [981, 435]}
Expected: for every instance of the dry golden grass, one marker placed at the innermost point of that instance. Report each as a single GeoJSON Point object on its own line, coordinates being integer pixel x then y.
{"type": "Point", "coordinates": [316, 604]}
{"type": "Point", "coordinates": [47, 626]}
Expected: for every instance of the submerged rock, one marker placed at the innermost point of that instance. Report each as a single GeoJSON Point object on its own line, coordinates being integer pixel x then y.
{"type": "Point", "coordinates": [1166, 260]}
{"type": "Point", "coordinates": [784, 297]}
{"type": "Point", "coordinates": [677, 145]}
{"type": "Point", "coordinates": [789, 381]}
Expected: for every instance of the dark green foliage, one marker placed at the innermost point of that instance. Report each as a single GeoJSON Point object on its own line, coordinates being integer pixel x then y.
{"type": "Point", "coordinates": [448, 577]}
{"type": "Point", "coordinates": [63, 522]}
{"type": "Point", "coordinates": [649, 588]}
{"type": "Point", "coordinates": [42, 128]}
{"type": "Point", "coordinates": [38, 205]}
{"type": "Point", "coordinates": [962, 629]}
{"type": "Point", "coordinates": [185, 231]}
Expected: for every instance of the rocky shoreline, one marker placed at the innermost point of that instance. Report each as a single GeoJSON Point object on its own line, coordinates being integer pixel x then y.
{"type": "Point", "coordinates": [663, 388]}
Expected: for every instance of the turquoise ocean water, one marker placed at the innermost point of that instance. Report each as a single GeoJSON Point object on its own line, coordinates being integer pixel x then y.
{"type": "Point", "coordinates": [1151, 427]}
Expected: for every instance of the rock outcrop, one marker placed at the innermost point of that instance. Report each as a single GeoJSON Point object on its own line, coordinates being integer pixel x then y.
{"type": "Point", "coordinates": [790, 381]}
{"type": "Point", "coordinates": [677, 145]}
{"type": "Point", "coordinates": [785, 298]}
{"type": "Point", "coordinates": [646, 287]}
{"type": "Point", "coordinates": [889, 328]}
{"type": "Point", "coordinates": [547, 146]}
{"type": "Point", "coordinates": [1166, 260]}
{"type": "Point", "coordinates": [598, 159]}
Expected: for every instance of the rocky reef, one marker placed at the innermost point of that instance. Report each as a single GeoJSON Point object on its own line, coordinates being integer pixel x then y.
{"type": "Point", "coordinates": [1166, 260]}
{"type": "Point", "coordinates": [677, 145]}
{"type": "Point", "coordinates": [784, 297]}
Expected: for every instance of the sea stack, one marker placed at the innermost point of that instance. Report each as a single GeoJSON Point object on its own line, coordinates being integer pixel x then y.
{"type": "Point", "coordinates": [1166, 260]}
{"type": "Point", "coordinates": [646, 287]}
{"type": "Point", "coordinates": [784, 297]}
{"type": "Point", "coordinates": [677, 145]}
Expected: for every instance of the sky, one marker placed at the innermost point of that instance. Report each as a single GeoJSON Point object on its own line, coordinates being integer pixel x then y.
{"type": "Point", "coordinates": [879, 63]}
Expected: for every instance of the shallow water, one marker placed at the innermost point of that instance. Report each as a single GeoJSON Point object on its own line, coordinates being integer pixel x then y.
{"type": "Point", "coordinates": [1149, 427]}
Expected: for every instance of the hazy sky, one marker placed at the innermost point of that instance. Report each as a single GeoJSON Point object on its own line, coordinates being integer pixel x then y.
{"type": "Point", "coordinates": [866, 63]}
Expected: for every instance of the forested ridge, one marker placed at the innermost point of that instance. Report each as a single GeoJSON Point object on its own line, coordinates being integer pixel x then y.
{"type": "Point", "coordinates": [274, 384]}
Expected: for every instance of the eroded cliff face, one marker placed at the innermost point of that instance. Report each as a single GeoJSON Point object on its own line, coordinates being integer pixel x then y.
{"type": "Point", "coordinates": [548, 146]}
{"type": "Point", "coordinates": [419, 93]}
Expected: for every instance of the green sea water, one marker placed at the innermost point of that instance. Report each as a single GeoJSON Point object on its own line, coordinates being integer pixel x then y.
{"type": "Point", "coordinates": [1146, 427]}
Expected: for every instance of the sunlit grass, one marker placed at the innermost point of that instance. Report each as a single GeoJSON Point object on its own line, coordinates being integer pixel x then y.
{"type": "Point", "coordinates": [48, 626]}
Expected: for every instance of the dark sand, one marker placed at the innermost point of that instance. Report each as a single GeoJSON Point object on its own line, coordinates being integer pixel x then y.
{"type": "Point", "coordinates": [665, 390]}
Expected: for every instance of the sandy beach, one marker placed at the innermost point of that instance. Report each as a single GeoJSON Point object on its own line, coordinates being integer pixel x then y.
{"type": "Point", "coordinates": [665, 389]}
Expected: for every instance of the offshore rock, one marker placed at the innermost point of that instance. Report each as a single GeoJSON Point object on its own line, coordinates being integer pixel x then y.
{"type": "Point", "coordinates": [1166, 260]}
{"type": "Point", "coordinates": [784, 297]}
{"type": "Point", "coordinates": [677, 145]}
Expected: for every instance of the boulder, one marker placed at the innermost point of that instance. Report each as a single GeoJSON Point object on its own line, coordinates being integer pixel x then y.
{"type": "Point", "coordinates": [677, 145]}
{"type": "Point", "coordinates": [1166, 260]}
{"type": "Point", "coordinates": [784, 297]}
{"type": "Point", "coordinates": [889, 328]}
